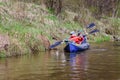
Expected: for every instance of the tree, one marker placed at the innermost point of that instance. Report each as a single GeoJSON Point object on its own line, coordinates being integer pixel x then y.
{"type": "Point", "coordinates": [104, 7]}
{"type": "Point", "coordinates": [54, 5]}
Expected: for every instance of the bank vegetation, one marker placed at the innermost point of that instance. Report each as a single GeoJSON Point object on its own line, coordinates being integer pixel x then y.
{"type": "Point", "coordinates": [31, 26]}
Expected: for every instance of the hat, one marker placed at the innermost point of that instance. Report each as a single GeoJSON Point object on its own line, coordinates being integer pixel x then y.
{"type": "Point", "coordinates": [72, 32]}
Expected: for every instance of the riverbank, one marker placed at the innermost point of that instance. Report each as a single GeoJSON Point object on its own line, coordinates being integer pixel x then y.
{"type": "Point", "coordinates": [29, 27]}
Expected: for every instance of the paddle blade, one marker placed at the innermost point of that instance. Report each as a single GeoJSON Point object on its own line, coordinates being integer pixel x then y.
{"type": "Point", "coordinates": [55, 44]}
{"type": "Point", "coordinates": [91, 25]}
{"type": "Point", "coordinates": [94, 31]}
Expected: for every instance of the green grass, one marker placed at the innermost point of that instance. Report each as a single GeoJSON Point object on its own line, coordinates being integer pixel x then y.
{"type": "Point", "coordinates": [23, 32]}
{"type": "Point", "coordinates": [115, 23]}
{"type": "Point", "coordinates": [93, 9]}
{"type": "Point", "coordinates": [51, 11]}
{"type": "Point", "coordinates": [100, 39]}
{"type": "Point", "coordinates": [72, 26]}
{"type": "Point", "coordinates": [118, 11]}
{"type": "Point", "coordinates": [22, 37]}
{"type": "Point", "coordinates": [2, 54]}
{"type": "Point", "coordinates": [2, 3]}
{"type": "Point", "coordinates": [52, 17]}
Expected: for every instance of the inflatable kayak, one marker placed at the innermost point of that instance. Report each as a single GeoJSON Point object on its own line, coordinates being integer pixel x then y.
{"type": "Point", "coordinates": [74, 47]}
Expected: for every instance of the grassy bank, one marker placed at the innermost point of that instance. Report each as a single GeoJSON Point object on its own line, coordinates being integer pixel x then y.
{"type": "Point", "coordinates": [32, 28]}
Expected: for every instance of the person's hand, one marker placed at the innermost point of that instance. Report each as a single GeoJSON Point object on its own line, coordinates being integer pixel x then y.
{"type": "Point", "coordinates": [86, 33]}
{"type": "Point", "coordinates": [65, 40]}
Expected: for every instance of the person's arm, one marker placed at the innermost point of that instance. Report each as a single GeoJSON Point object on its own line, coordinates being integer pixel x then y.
{"type": "Point", "coordinates": [85, 32]}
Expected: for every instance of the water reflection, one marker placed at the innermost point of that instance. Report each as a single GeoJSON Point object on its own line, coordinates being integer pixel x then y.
{"type": "Point", "coordinates": [3, 69]}
{"type": "Point", "coordinates": [78, 65]}
{"type": "Point", "coordinates": [94, 64]}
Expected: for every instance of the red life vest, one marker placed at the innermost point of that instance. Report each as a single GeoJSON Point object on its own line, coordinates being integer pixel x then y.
{"type": "Point", "coordinates": [77, 39]}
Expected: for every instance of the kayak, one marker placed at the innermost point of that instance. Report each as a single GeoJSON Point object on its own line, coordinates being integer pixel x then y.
{"type": "Point", "coordinates": [74, 47]}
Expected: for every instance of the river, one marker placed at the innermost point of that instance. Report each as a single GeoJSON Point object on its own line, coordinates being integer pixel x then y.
{"type": "Point", "coordinates": [100, 62]}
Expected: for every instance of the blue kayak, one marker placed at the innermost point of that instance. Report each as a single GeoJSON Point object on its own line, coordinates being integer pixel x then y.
{"type": "Point", "coordinates": [74, 47]}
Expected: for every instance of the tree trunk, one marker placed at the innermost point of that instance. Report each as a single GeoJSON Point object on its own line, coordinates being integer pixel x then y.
{"type": "Point", "coordinates": [54, 5]}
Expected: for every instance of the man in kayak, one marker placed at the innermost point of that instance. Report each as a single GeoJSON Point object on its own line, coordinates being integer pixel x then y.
{"type": "Point", "coordinates": [76, 38]}
{"type": "Point", "coordinates": [72, 34]}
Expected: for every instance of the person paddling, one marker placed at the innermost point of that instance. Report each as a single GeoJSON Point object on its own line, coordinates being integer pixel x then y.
{"type": "Point", "coordinates": [75, 38]}
{"type": "Point", "coordinates": [72, 34]}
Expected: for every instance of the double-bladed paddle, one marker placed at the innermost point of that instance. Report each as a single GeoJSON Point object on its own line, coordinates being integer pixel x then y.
{"type": "Point", "coordinates": [93, 31]}
{"type": "Point", "coordinates": [55, 44]}
{"type": "Point", "coordinates": [59, 42]}
{"type": "Point", "coordinates": [90, 25]}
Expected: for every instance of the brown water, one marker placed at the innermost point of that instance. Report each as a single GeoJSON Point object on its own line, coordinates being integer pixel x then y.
{"type": "Point", "coordinates": [99, 63]}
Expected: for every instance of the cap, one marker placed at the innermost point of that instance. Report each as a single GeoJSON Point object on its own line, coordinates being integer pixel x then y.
{"type": "Point", "coordinates": [72, 32]}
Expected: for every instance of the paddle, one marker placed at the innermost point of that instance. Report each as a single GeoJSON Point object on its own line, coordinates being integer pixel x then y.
{"type": "Point", "coordinates": [59, 42]}
{"type": "Point", "coordinates": [90, 25]}
{"type": "Point", "coordinates": [93, 31]}
{"type": "Point", "coordinates": [55, 44]}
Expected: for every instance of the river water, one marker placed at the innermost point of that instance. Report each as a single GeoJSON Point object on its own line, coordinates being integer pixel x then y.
{"type": "Point", "coordinates": [100, 62]}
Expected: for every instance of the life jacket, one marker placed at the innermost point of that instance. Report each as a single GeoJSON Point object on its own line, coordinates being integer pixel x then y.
{"type": "Point", "coordinates": [77, 39]}
{"type": "Point", "coordinates": [72, 36]}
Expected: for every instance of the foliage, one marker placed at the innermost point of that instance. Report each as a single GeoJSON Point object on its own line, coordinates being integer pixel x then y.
{"type": "Point", "coordinates": [2, 3]}
{"type": "Point", "coordinates": [51, 11]}
{"type": "Point", "coordinates": [115, 23]}
{"type": "Point", "coordinates": [72, 25]}
{"type": "Point", "coordinates": [20, 35]}
{"type": "Point", "coordinates": [93, 9]}
{"type": "Point", "coordinates": [2, 54]}
{"type": "Point", "coordinates": [100, 39]}
{"type": "Point", "coordinates": [52, 17]}
{"type": "Point", "coordinates": [103, 7]}
{"type": "Point", "coordinates": [23, 25]}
